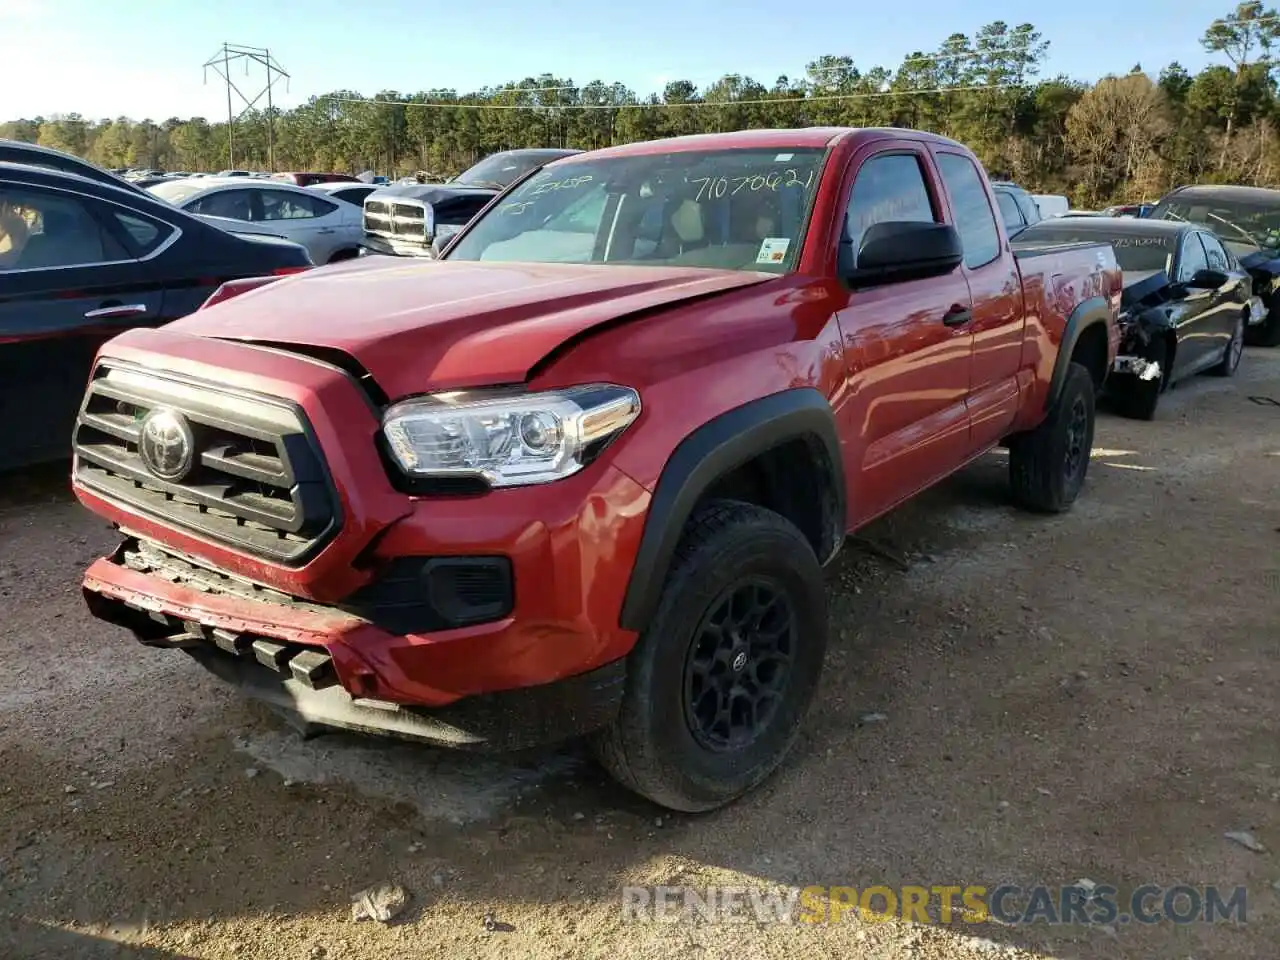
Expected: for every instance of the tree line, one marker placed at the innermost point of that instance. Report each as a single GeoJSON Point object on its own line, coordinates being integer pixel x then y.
{"type": "Point", "coordinates": [1127, 137]}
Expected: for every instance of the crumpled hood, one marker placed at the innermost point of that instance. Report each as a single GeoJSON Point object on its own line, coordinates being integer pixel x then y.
{"type": "Point", "coordinates": [437, 325]}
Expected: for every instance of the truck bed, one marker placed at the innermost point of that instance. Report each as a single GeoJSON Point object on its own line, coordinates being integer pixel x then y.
{"type": "Point", "coordinates": [1058, 278]}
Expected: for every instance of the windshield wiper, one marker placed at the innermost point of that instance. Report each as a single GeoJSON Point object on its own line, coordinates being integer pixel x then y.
{"type": "Point", "coordinates": [1239, 229]}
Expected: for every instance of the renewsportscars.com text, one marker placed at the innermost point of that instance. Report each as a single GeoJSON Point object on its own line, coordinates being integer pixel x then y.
{"type": "Point", "coordinates": [1088, 904]}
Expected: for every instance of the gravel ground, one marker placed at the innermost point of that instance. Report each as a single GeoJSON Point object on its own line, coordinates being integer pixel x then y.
{"type": "Point", "coordinates": [1049, 698]}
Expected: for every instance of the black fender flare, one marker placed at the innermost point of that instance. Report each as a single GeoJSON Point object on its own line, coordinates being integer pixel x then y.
{"type": "Point", "coordinates": [710, 453]}
{"type": "Point", "coordinates": [1088, 313]}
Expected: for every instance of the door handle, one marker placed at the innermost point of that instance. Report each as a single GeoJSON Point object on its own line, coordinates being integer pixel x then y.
{"type": "Point", "coordinates": [117, 311]}
{"type": "Point", "coordinates": [327, 230]}
{"type": "Point", "coordinates": [957, 316]}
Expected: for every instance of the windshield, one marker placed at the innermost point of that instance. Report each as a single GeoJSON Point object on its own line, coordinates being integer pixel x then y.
{"type": "Point", "coordinates": [1135, 253]}
{"type": "Point", "coordinates": [722, 209]}
{"type": "Point", "coordinates": [175, 191]}
{"type": "Point", "coordinates": [501, 169]}
{"type": "Point", "coordinates": [1243, 226]}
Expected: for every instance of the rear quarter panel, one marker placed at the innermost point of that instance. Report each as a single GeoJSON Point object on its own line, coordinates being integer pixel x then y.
{"type": "Point", "coordinates": [1056, 279]}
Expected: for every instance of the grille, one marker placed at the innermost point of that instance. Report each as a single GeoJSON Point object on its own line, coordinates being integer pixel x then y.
{"type": "Point", "coordinates": [256, 480]}
{"type": "Point", "coordinates": [396, 219]}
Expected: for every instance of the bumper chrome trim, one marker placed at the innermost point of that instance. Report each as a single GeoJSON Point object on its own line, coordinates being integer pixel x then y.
{"type": "Point", "coordinates": [1140, 367]}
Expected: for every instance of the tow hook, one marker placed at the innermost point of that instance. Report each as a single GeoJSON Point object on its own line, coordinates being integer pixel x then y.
{"type": "Point", "coordinates": [1140, 367]}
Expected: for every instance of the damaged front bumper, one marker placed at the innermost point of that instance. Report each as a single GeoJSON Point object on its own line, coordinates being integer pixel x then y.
{"type": "Point", "coordinates": [323, 667]}
{"type": "Point", "coordinates": [1137, 366]}
{"type": "Point", "coordinates": [1257, 311]}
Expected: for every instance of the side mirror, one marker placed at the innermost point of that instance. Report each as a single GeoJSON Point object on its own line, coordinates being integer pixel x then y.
{"type": "Point", "coordinates": [437, 245]}
{"type": "Point", "coordinates": [905, 250]}
{"type": "Point", "coordinates": [1207, 280]}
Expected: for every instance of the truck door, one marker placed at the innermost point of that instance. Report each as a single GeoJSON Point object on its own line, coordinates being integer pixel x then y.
{"type": "Point", "coordinates": [907, 344]}
{"type": "Point", "coordinates": [998, 313]}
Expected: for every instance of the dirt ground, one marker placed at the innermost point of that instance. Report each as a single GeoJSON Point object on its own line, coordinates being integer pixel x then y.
{"type": "Point", "coordinates": [1089, 696]}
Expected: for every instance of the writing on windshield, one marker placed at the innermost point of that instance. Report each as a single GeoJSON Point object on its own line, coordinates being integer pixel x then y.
{"type": "Point", "coordinates": [742, 209]}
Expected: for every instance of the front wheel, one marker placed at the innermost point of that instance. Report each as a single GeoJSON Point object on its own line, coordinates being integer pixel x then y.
{"type": "Point", "coordinates": [1047, 465]}
{"type": "Point", "coordinates": [1235, 350]}
{"type": "Point", "coordinates": [719, 681]}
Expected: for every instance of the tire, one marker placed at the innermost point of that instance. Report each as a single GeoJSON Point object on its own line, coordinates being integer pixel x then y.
{"type": "Point", "coordinates": [1047, 465]}
{"type": "Point", "coordinates": [1138, 399]}
{"type": "Point", "coordinates": [662, 746]}
{"type": "Point", "coordinates": [1235, 350]}
{"type": "Point", "coordinates": [1267, 333]}
{"type": "Point", "coordinates": [344, 255]}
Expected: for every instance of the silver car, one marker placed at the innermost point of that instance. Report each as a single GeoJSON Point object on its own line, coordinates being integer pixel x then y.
{"type": "Point", "coordinates": [330, 229]}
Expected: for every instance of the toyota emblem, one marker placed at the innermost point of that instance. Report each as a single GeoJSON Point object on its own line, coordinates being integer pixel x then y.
{"type": "Point", "coordinates": [166, 444]}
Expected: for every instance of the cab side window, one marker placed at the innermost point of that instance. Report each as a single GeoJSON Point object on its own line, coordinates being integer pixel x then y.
{"type": "Point", "coordinates": [889, 187]}
{"type": "Point", "coordinates": [974, 219]}
{"type": "Point", "coordinates": [42, 229]}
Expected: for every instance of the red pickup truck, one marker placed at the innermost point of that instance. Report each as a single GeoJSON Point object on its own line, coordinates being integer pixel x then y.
{"type": "Point", "coordinates": [581, 475]}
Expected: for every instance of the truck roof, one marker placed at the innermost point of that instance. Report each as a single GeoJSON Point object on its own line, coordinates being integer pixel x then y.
{"type": "Point", "coordinates": [801, 137]}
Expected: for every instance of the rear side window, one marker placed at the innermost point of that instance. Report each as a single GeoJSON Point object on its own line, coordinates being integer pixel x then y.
{"type": "Point", "coordinates": [146, 235]}
{"type": "Point", "coordinates": [1009, 211]}
{"type": "Point", "coordinates": [974, 219]}
{"type": "Point", "coordinates": [889, 188]}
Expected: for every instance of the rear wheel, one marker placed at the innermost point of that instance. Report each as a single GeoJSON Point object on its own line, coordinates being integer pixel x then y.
{"type": "Point", "coordinates": [1235, 350]}
{"type": "Point", "coordinates": [1047, 465]}
{"type": "Point", "coordinates": [720, 680]}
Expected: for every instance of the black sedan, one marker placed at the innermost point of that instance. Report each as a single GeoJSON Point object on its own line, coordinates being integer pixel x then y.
{"type": "Point", "coordinates": [1185, 306]}
{"type": "Point", "coordinates": [1247, 220]}
{"type": "Point", "coordinates": [82, 260]}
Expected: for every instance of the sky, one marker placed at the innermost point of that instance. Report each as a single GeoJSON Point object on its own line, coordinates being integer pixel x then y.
{"type": "Point", "coordinates": [107, 58]}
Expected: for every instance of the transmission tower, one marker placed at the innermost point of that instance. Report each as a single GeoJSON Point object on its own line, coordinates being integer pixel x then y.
{"type": "Point", "coordinates": [220, 63]}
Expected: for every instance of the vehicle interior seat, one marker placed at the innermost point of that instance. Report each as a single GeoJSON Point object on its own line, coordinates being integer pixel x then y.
{"type": "Point", "coordinates": [744, 226]}
{"type": "Point", "coordinates": [65, 239]}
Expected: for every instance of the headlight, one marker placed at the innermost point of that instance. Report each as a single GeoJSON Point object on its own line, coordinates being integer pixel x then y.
{"type": "Point", "coordinates": [507, 439]}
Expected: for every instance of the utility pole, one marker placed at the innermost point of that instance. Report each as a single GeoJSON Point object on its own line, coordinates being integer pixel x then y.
{"type": "Point", "coordinates": [220, 64]}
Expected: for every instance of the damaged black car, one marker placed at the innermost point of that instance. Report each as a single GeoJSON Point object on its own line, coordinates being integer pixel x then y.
{"type": "Point", "coordinates": [1186, 303]}
{"type": "Point", "coordinates": [1247, 221]}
